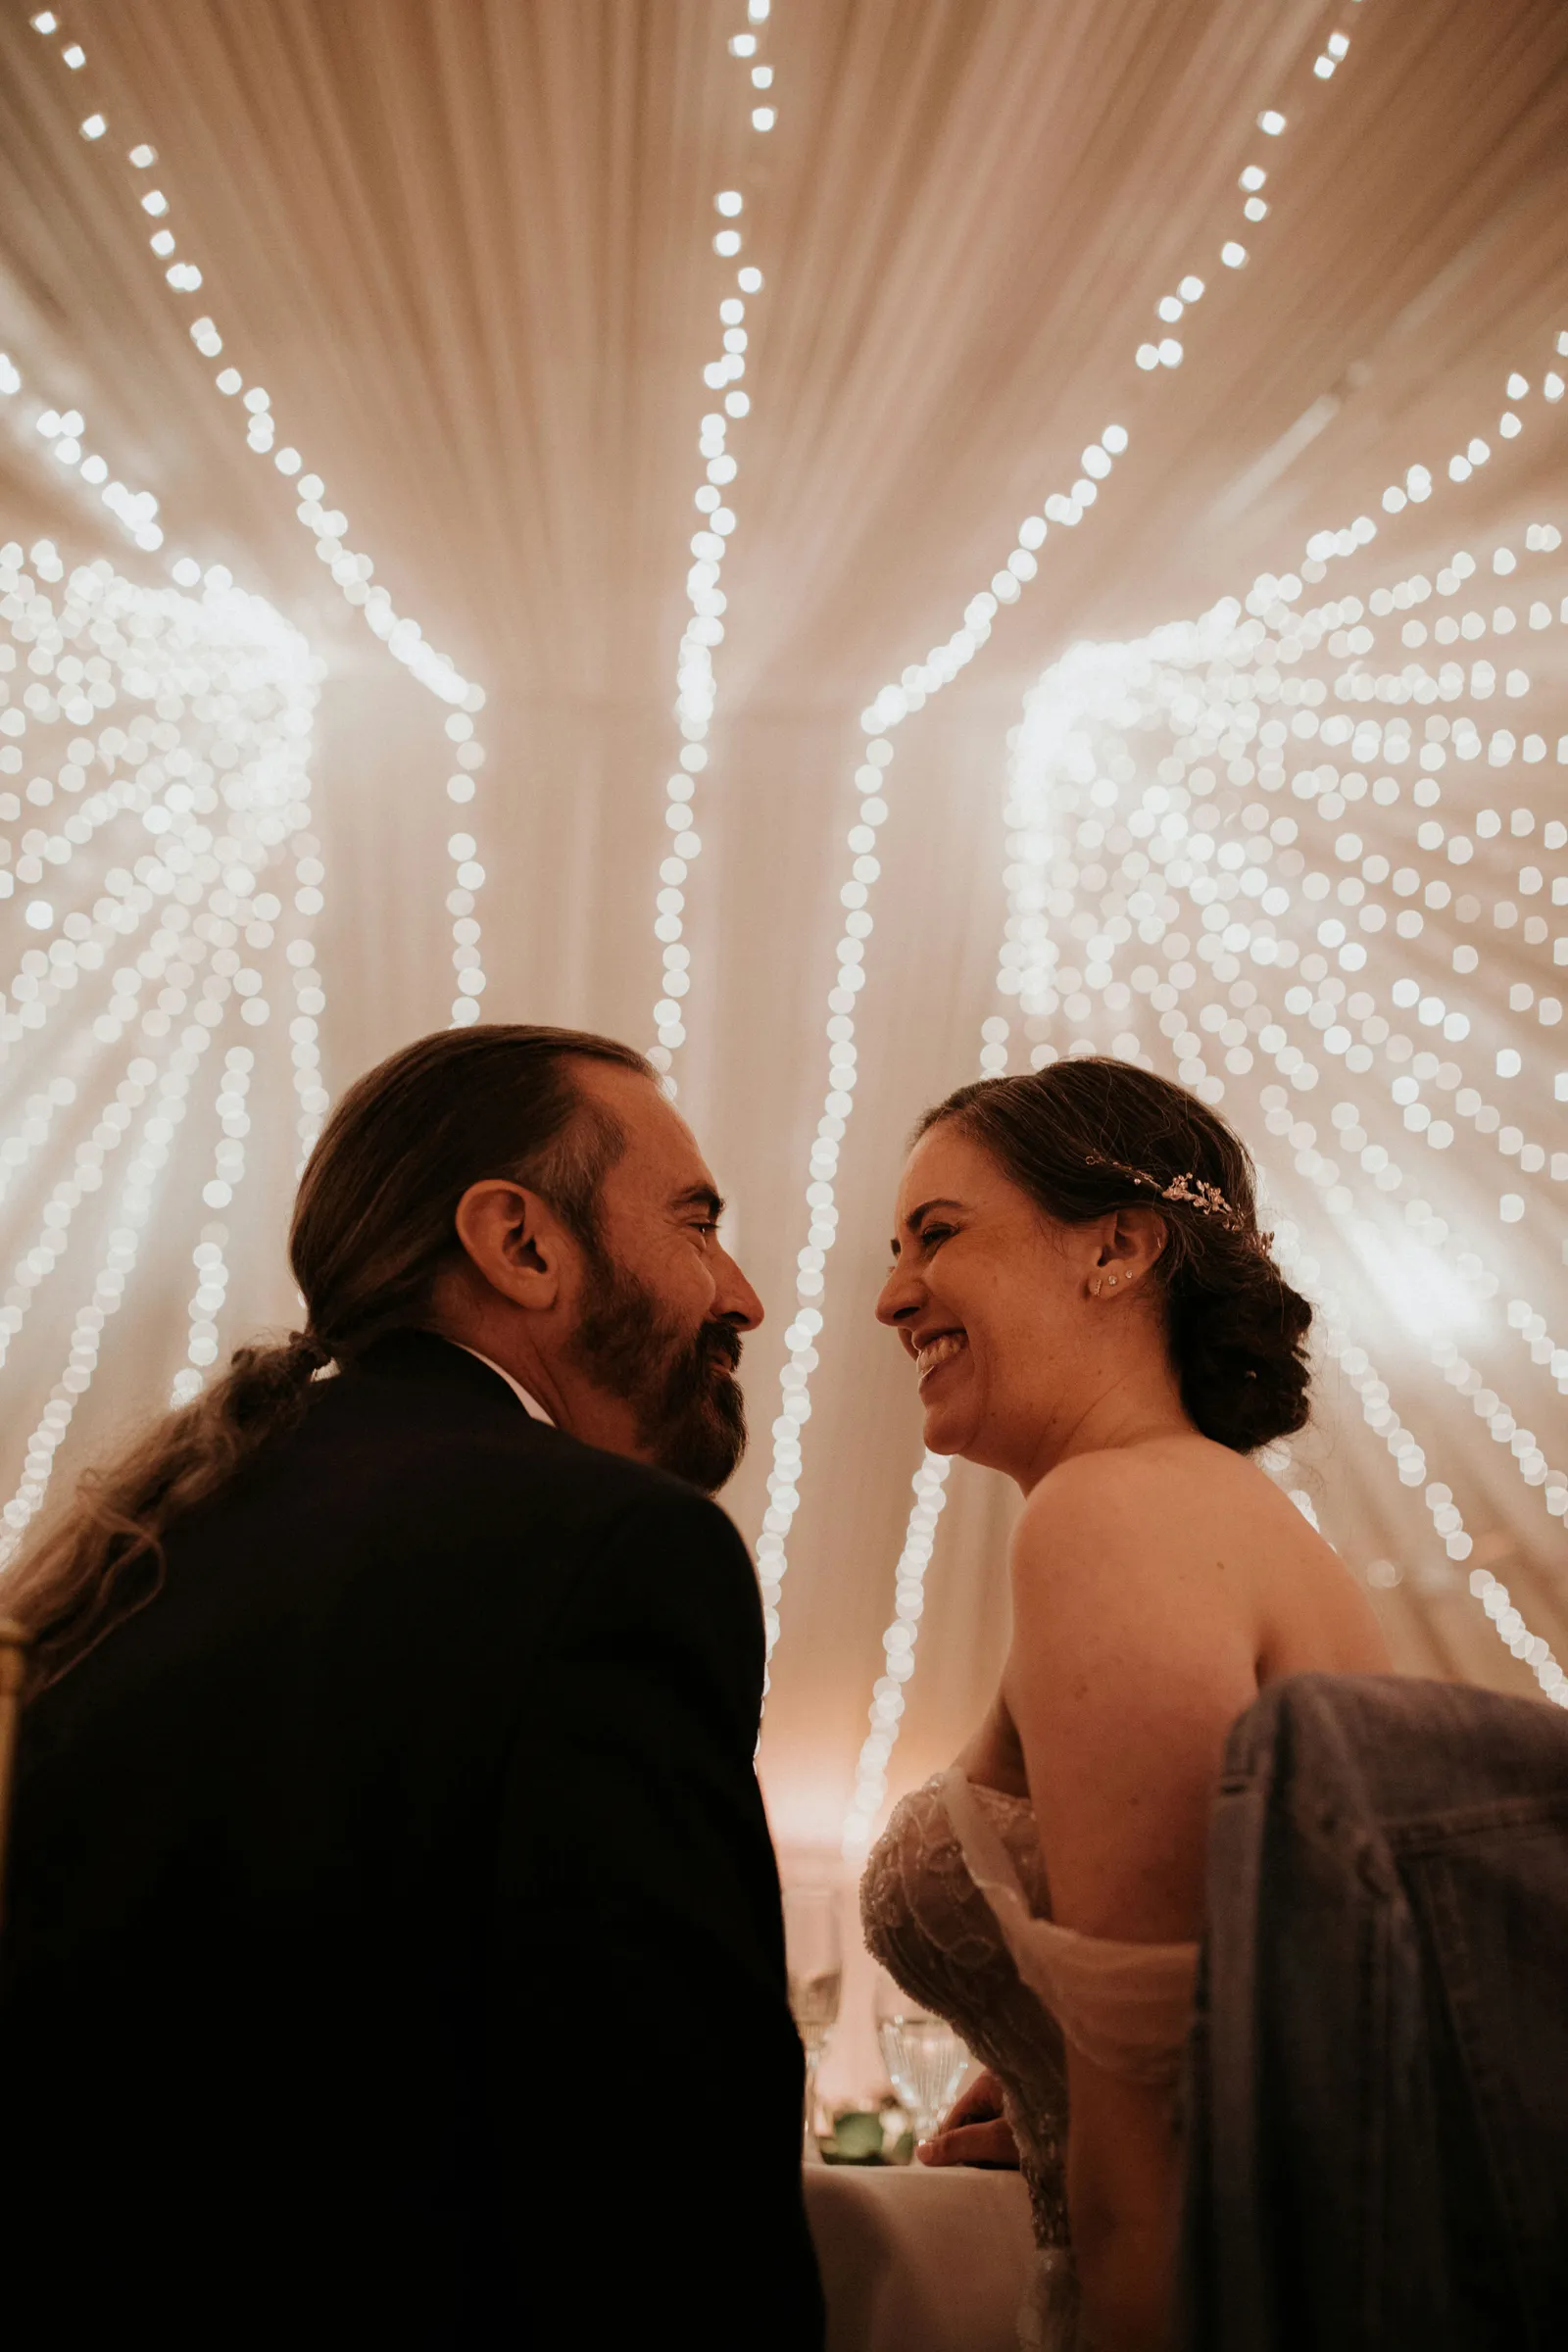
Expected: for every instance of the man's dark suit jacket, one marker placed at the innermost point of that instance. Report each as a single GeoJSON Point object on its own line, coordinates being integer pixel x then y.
{"type": "Point", "coordinates": [393, 1954]}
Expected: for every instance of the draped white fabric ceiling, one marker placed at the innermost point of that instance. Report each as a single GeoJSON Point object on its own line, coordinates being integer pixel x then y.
{"type": "Point", "coordinates": [466, 246]}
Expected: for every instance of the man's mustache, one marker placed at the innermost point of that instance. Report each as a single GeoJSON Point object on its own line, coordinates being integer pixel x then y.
{"type": "Point", "coordinates": [722, 1344]}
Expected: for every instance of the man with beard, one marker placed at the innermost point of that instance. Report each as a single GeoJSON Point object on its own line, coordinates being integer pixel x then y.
{"type": "Point", "coordinates": [393, 1953]}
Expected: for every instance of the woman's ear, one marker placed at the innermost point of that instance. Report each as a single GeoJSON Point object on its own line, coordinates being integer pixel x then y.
{"type": "Point", "coordinates": [513, 1240]}
{"type": "Point", "coordinates": [1135, 1239]}
{"type": "Point", "coordinates": [1152, 1233]}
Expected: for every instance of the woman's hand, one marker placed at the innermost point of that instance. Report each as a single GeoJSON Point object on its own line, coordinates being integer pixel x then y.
{"type": "Point", "coordinates": [975, 2131]}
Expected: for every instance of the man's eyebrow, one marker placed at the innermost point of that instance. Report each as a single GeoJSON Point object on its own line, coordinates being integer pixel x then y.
{"type": "Point", "coordinates": [916, 1215]}
{"type": "Point", "coordinates": [700, 1195]}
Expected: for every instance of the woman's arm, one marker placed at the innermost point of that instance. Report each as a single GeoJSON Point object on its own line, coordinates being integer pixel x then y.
{"type": "Point", "coordinates": [1134, 1650]}
{"type": "Point", "coordinates": [1122, 2195]}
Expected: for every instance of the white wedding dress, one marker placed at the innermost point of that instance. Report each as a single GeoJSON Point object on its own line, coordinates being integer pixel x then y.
{"type": "Point", "coordinates": [956, 1905]}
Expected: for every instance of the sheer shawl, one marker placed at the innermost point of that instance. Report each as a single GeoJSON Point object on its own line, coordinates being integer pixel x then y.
{"type": "Point", "coordinates": [1125, 2006]}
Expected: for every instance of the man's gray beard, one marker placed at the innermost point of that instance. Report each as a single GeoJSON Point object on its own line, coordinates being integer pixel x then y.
{"type": "Point", "coordinates": [690, 1413]}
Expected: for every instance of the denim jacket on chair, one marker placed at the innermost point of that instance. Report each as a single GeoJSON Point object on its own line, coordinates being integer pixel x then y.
{"type": "Point", "coordinates": [1376, 2106]}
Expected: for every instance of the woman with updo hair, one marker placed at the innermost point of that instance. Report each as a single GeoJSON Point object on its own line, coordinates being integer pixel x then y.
{"type": "Point", "coordinates": [1080, 1281]}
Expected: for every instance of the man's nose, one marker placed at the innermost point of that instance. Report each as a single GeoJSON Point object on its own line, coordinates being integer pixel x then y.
{"type": "Point", "coordinates": [737, 1302]}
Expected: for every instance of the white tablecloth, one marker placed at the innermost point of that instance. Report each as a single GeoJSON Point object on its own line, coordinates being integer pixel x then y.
{"type": "Point", "coordinates": [920, 2260]}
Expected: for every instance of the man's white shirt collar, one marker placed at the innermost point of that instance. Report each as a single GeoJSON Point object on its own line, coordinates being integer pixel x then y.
{"type": "Point", "coordinates": [530, 1404]}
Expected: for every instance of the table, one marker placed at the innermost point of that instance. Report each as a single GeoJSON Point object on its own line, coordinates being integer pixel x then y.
{"type": "Point", "coordinates": [920, 2260]}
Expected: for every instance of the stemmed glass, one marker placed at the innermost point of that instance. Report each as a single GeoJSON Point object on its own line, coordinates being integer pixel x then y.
{"type": "Point", "coordinates": [814, 1959]}
{"type": "Point", "coordinates": [925, 2057]}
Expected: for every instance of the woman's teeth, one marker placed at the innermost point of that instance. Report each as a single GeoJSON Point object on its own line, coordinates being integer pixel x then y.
{"type": "Point", "coordinates": [940, 1351]}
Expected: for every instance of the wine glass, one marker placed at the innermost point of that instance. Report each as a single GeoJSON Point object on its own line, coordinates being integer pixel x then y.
{"type": "Point", "coordinates": [925, 2057]}
{"type": "Point", "coordinates": [814, 1959]}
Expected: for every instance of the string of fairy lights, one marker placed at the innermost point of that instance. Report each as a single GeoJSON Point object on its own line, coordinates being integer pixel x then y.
{"type": "Point", "coordinates": [185, 805]}
{"type": "Point", "coordinates": [696, 684]}
{"type": "Point", "coordinates": [63, 433]}
{"type": "Point", "coordinates": [898, 1640]}
{"type": "Point", "coordinates": [1076, 768]}
{"type": "Point", "coordinates": [352, 570]}
{"type": "Point", "coordinates": [208, 1257]}
{"type": "Point", "coordinates": [895, 702]}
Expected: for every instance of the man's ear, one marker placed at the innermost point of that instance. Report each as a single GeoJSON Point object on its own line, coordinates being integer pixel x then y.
{"type": "Point", "coordinates": [514, 1241]}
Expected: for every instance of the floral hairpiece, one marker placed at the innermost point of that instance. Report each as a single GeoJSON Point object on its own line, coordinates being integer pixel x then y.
{"type": "Point", "coordinates": [1190, 1189]}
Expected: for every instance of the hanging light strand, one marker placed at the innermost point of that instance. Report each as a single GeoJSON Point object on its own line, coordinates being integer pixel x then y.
{"type": "Point", "coordinates": [695, 683]}
{"type": "Point", "coordinates": [1417, 484]}
{"type": "Point", "coordinates": [63, 434]}
{"type": "Point", "coordinates": [212, 1268]}
{"type": "Point", "coordinates": [32, 1132]}
{"type": "Point", "coordinates": [898, 1653]}
{"type": "Point", "coordinates": [132, 1210]}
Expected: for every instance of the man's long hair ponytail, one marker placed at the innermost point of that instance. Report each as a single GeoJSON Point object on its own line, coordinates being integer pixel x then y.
{"type": "Point", "coordinates": [104, 1558]}
{"type": "Point", "coordinates": [372, 1230]}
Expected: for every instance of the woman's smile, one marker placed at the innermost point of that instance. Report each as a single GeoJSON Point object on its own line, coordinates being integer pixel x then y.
{"type": "Point", "coordinates": [941, 1349]}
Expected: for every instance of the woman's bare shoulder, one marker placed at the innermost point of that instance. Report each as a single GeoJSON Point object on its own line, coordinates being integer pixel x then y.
{"type": "Point", "coordinates": [1174, 1538]}
{"type": "Point", "coordinates": [1171, 1526]}
{"type": "Point", "coordinates": [1178, 1485]}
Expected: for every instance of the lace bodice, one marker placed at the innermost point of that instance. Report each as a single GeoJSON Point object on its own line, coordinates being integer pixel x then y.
{"type": "Point", "coordinates": [934, 1931]}
{"type": "Point", "coordinates": [957, 1906]}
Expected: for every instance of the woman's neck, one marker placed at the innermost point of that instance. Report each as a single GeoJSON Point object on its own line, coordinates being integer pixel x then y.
{"type": "Point", "coordinates": [1130, 1404]}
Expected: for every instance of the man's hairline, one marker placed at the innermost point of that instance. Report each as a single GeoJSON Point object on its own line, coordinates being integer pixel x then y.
{"type": "Point", "coordinates": [595, 1137]}
{"type": "Point", "coordinates": [592, 1105]}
